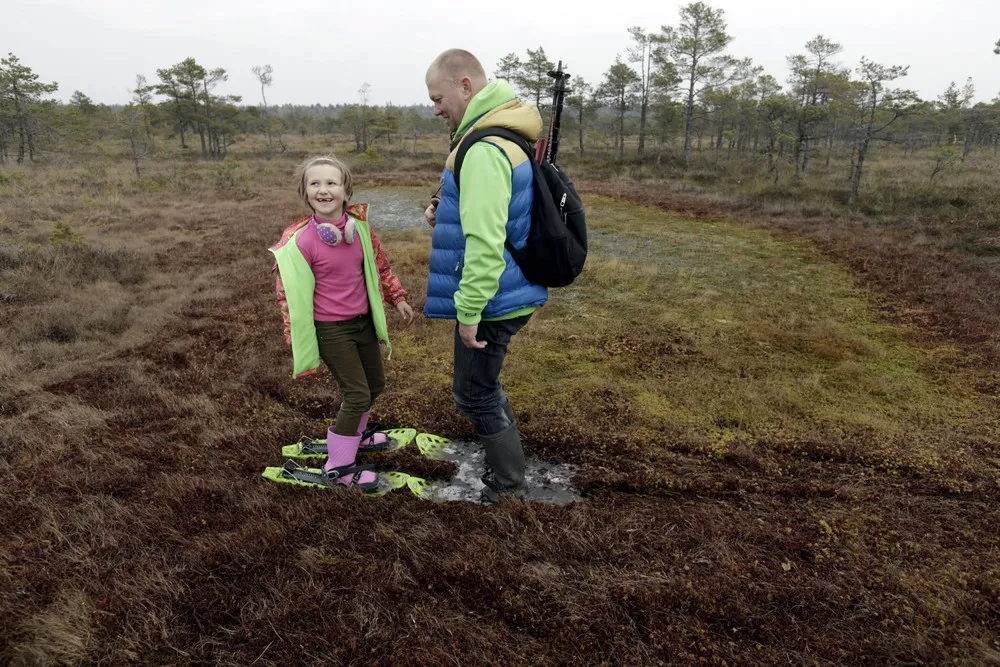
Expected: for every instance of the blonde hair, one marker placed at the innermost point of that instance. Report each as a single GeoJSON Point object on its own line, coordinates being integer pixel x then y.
{"type": "Point", "coordinates": [332, 161]}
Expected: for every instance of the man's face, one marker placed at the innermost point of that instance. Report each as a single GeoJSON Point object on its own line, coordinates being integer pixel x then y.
{"type": "Point", "coordinates": [450, 98]}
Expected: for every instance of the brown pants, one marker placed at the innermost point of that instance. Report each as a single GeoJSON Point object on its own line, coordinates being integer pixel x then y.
{"type": "Point", "coordinates": [351, 351]}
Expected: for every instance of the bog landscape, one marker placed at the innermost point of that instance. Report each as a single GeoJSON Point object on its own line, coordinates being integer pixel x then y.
{"type": "Point", "coordinates": [777, 380]}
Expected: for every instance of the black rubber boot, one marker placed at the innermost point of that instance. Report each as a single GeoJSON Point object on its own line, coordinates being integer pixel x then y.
{"type": "Point", "coordinates": [504, 465]}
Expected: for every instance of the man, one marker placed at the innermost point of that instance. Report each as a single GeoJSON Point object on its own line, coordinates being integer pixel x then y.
{"type": "Point", "coordinates": [472, 278]}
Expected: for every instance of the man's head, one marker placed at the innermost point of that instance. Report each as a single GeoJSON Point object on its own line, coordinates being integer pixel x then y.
{"type": "Point", "coordinates": [452, 80]}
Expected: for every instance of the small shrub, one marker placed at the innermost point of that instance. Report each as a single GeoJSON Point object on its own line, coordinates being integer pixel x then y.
{"type": "Point", "coordinates": [228, 175]}
{"type": "Point", "coordinates": [369, 160]}
{"type": "Point", "coordinates": [63, 235]}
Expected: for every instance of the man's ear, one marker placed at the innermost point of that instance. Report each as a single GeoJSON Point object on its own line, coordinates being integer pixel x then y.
{"type": "Point", "coordinates": [466, 83]}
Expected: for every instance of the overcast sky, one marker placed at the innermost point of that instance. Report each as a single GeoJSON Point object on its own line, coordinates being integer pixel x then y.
{"type": "Point", "coordinates": [323, 51]}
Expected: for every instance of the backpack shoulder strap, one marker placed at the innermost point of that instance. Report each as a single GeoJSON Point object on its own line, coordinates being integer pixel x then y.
{"type": "Point", "coordinates": [477, 135]}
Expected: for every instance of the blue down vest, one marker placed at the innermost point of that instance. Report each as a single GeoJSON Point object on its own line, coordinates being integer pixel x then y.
{"type": "Point", "coordinates": [448, 251]}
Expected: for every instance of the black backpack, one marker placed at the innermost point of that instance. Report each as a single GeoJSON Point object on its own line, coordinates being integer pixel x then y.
{"type": "Point", "coordinates": [557, 241]}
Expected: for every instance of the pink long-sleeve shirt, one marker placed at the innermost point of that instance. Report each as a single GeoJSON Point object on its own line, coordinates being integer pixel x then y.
{"type": "Point", "coordinates": [339, 271]}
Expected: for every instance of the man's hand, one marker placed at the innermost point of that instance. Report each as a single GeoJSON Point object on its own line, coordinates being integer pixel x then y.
{"type": "Point", "coordinates": [467, 332]}
{"type": "Point", "coordinates": [430, 214]}
{"type": "Point", "coordinates": [405, 311]}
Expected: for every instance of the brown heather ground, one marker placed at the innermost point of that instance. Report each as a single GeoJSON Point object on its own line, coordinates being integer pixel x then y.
{"type": "Point", "coordinates": [785, 427]}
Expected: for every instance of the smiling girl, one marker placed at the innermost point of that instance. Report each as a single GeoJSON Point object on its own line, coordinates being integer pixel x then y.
{"type": "Point", "coordinates": [332, 276]}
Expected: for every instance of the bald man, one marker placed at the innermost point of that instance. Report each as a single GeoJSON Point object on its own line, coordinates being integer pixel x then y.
{"type": "Point", "coordinates": [473, 279]}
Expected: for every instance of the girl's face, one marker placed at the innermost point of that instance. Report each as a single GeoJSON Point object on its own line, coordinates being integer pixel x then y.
{"type": "Point", "coordinates": [325, 191]}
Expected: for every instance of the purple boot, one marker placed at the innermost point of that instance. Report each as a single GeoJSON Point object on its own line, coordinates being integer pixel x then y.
{"type": "Point", "coordinates": [342, 451]}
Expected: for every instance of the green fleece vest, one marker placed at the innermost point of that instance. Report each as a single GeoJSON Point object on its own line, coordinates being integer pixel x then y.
{"type": "Point", "coordinates": [300, 285]}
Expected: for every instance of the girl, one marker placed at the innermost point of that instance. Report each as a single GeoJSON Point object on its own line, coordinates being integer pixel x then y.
{"type": "Point", "coordinates": [332, 276]}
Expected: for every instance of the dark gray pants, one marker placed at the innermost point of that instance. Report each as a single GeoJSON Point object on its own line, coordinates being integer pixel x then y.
{"type": "Point", "coordinates": [351, 351]}
{"type": "Point", "coordinates": [476, 384]}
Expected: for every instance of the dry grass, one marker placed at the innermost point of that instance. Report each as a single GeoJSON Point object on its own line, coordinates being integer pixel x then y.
{"type": "Point", "coordinates": [782, 463]}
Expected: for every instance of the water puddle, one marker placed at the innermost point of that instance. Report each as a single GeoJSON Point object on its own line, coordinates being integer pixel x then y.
{"type": "Point", "coordinates": [547, 482]}
{"type": "Point", "coordinates": [395, 208]}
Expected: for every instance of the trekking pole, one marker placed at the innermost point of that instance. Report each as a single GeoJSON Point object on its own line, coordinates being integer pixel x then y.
{"type": "Point", "coordinates": [559, 91]}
